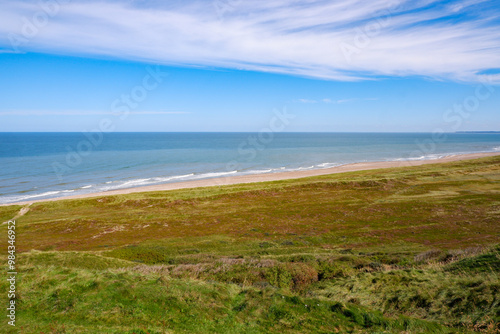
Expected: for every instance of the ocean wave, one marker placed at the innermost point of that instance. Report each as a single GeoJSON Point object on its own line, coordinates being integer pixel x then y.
{"type": "Point", "coordinates": [299, 169]}
{"type": "Point", "coordinates": [259, 171]}
{"type": "Point", "coordinates": [436, 156]}
{"type": "Point", "coordinates": [133, 183]}
{"type": "Point", "coordinates": [14, 199]}
{"type": "Point", "coordinates": [170, 178]}
{"type": "Point", "coordinates": [424, 157]}
{"type": "Point", "coordinates": [115, 185]}
{"type": "Point", "coordinates": [328, 165]}
{"type": "Point", "coordinates": [212, 175]}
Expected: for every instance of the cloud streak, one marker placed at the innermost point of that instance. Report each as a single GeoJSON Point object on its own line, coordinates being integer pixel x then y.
{"type": "Point", "coordinates": [334, 40]}
{"type": "Point", "coordinates": [338, 101]}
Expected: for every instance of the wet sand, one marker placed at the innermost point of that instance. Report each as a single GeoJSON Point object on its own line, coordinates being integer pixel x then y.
{"type": "Point", "coordinates": [270, 177]}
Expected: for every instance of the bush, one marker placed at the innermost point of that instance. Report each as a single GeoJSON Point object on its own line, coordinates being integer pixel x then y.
{"type": "Point", "coordinates": [279, 276]}
{"type": "Point", "coordinates": [295, 276]}
{"type": "Point", "coordinates": [428, 255]}
{"type": "Point", "coordinates": [302, 275]}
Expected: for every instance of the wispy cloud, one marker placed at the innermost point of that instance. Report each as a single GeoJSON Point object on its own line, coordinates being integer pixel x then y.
{"type": "Point", "coordinates": [354, 100]}
{"type": "Point", "coordinates": [341, 40]}
{"type": "Point", "coordinates": [336, 101]}
{"type": "Point", "coordinates": [9, 51]}
{"type": "Point", "coordinates": [307, 101]}
{"type": "Point", "coordinates": [81, 113]}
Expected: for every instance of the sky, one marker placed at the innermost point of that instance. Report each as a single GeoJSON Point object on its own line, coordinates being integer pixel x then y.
{"type": "Point", "coordinates": [232, 65]}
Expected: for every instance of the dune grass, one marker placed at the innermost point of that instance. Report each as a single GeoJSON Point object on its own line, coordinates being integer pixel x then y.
{"type": "Point", "coordinates": [383, 251]}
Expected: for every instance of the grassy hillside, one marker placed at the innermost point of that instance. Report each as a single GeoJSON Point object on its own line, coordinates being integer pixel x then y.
{"type": "Point", "coordinates": [386, 251]}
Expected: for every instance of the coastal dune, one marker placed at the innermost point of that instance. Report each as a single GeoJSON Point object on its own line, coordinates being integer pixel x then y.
{"type": "Point", "coordinates": [230, 180]}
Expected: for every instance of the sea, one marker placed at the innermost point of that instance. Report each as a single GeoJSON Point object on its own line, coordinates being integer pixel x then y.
{"type": "Point", "coordinates": [35, 166]}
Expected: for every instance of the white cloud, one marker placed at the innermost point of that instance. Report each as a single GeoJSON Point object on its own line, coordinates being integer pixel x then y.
{"type": "Point", "coordinates": [338, 101]}
{"type": "Point", "coordinates": [345, 101]}
{"type": "Point", "coordinates": [298, 37]}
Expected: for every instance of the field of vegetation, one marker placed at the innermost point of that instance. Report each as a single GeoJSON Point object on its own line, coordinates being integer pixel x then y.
{"type": "Point", "coordinates": [403, 250]}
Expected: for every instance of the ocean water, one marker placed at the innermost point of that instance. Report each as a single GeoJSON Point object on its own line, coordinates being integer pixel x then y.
{"type": "Point", "coordinates": [44, 165]}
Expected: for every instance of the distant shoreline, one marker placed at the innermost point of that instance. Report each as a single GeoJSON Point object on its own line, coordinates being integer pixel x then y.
{"type": "Point", "coordinates": [252, 178]}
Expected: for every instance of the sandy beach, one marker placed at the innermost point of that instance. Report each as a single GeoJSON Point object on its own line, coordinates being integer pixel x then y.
{"type": "Point", "coordinates": [229, 180]}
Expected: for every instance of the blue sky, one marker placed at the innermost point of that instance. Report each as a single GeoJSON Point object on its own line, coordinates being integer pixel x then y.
{"type": "Point", "coordinates": [228, 65]}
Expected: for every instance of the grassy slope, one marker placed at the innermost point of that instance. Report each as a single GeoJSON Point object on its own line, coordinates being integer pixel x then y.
{"type": "Point", "coordinates": [385, 250]}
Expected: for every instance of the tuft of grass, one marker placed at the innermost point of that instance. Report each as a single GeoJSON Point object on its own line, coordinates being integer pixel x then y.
{"type": "Point", "coordinates": [448, 296]}
{"type": "Point", "coordinates": [482, 263]}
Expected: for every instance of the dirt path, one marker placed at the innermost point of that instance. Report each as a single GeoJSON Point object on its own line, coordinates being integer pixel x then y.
{"type": "Point", "coordinates": [21, 213]}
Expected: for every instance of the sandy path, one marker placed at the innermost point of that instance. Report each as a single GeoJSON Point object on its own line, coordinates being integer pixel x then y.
{"type": "Point", "coordinates": [22, 212]}
{"type": "Point", "coordinates": [271, 177]}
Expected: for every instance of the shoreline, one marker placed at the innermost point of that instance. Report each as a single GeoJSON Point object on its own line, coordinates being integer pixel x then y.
{"type": "Point", "coordinates": [252, 178]}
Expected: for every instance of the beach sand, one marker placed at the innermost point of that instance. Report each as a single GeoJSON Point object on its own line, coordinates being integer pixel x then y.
{"type": "Point", "coordinates": [229, 180]}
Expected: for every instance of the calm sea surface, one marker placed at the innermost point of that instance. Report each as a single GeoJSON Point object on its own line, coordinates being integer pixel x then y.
{"type": "Point", "coordinates": [44, 165]}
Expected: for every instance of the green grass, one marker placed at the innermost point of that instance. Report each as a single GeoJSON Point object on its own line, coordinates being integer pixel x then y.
{"type": "Point", "coordinates": [385, 251]}
{"type": "Point", "coordinates": [64, 299]}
